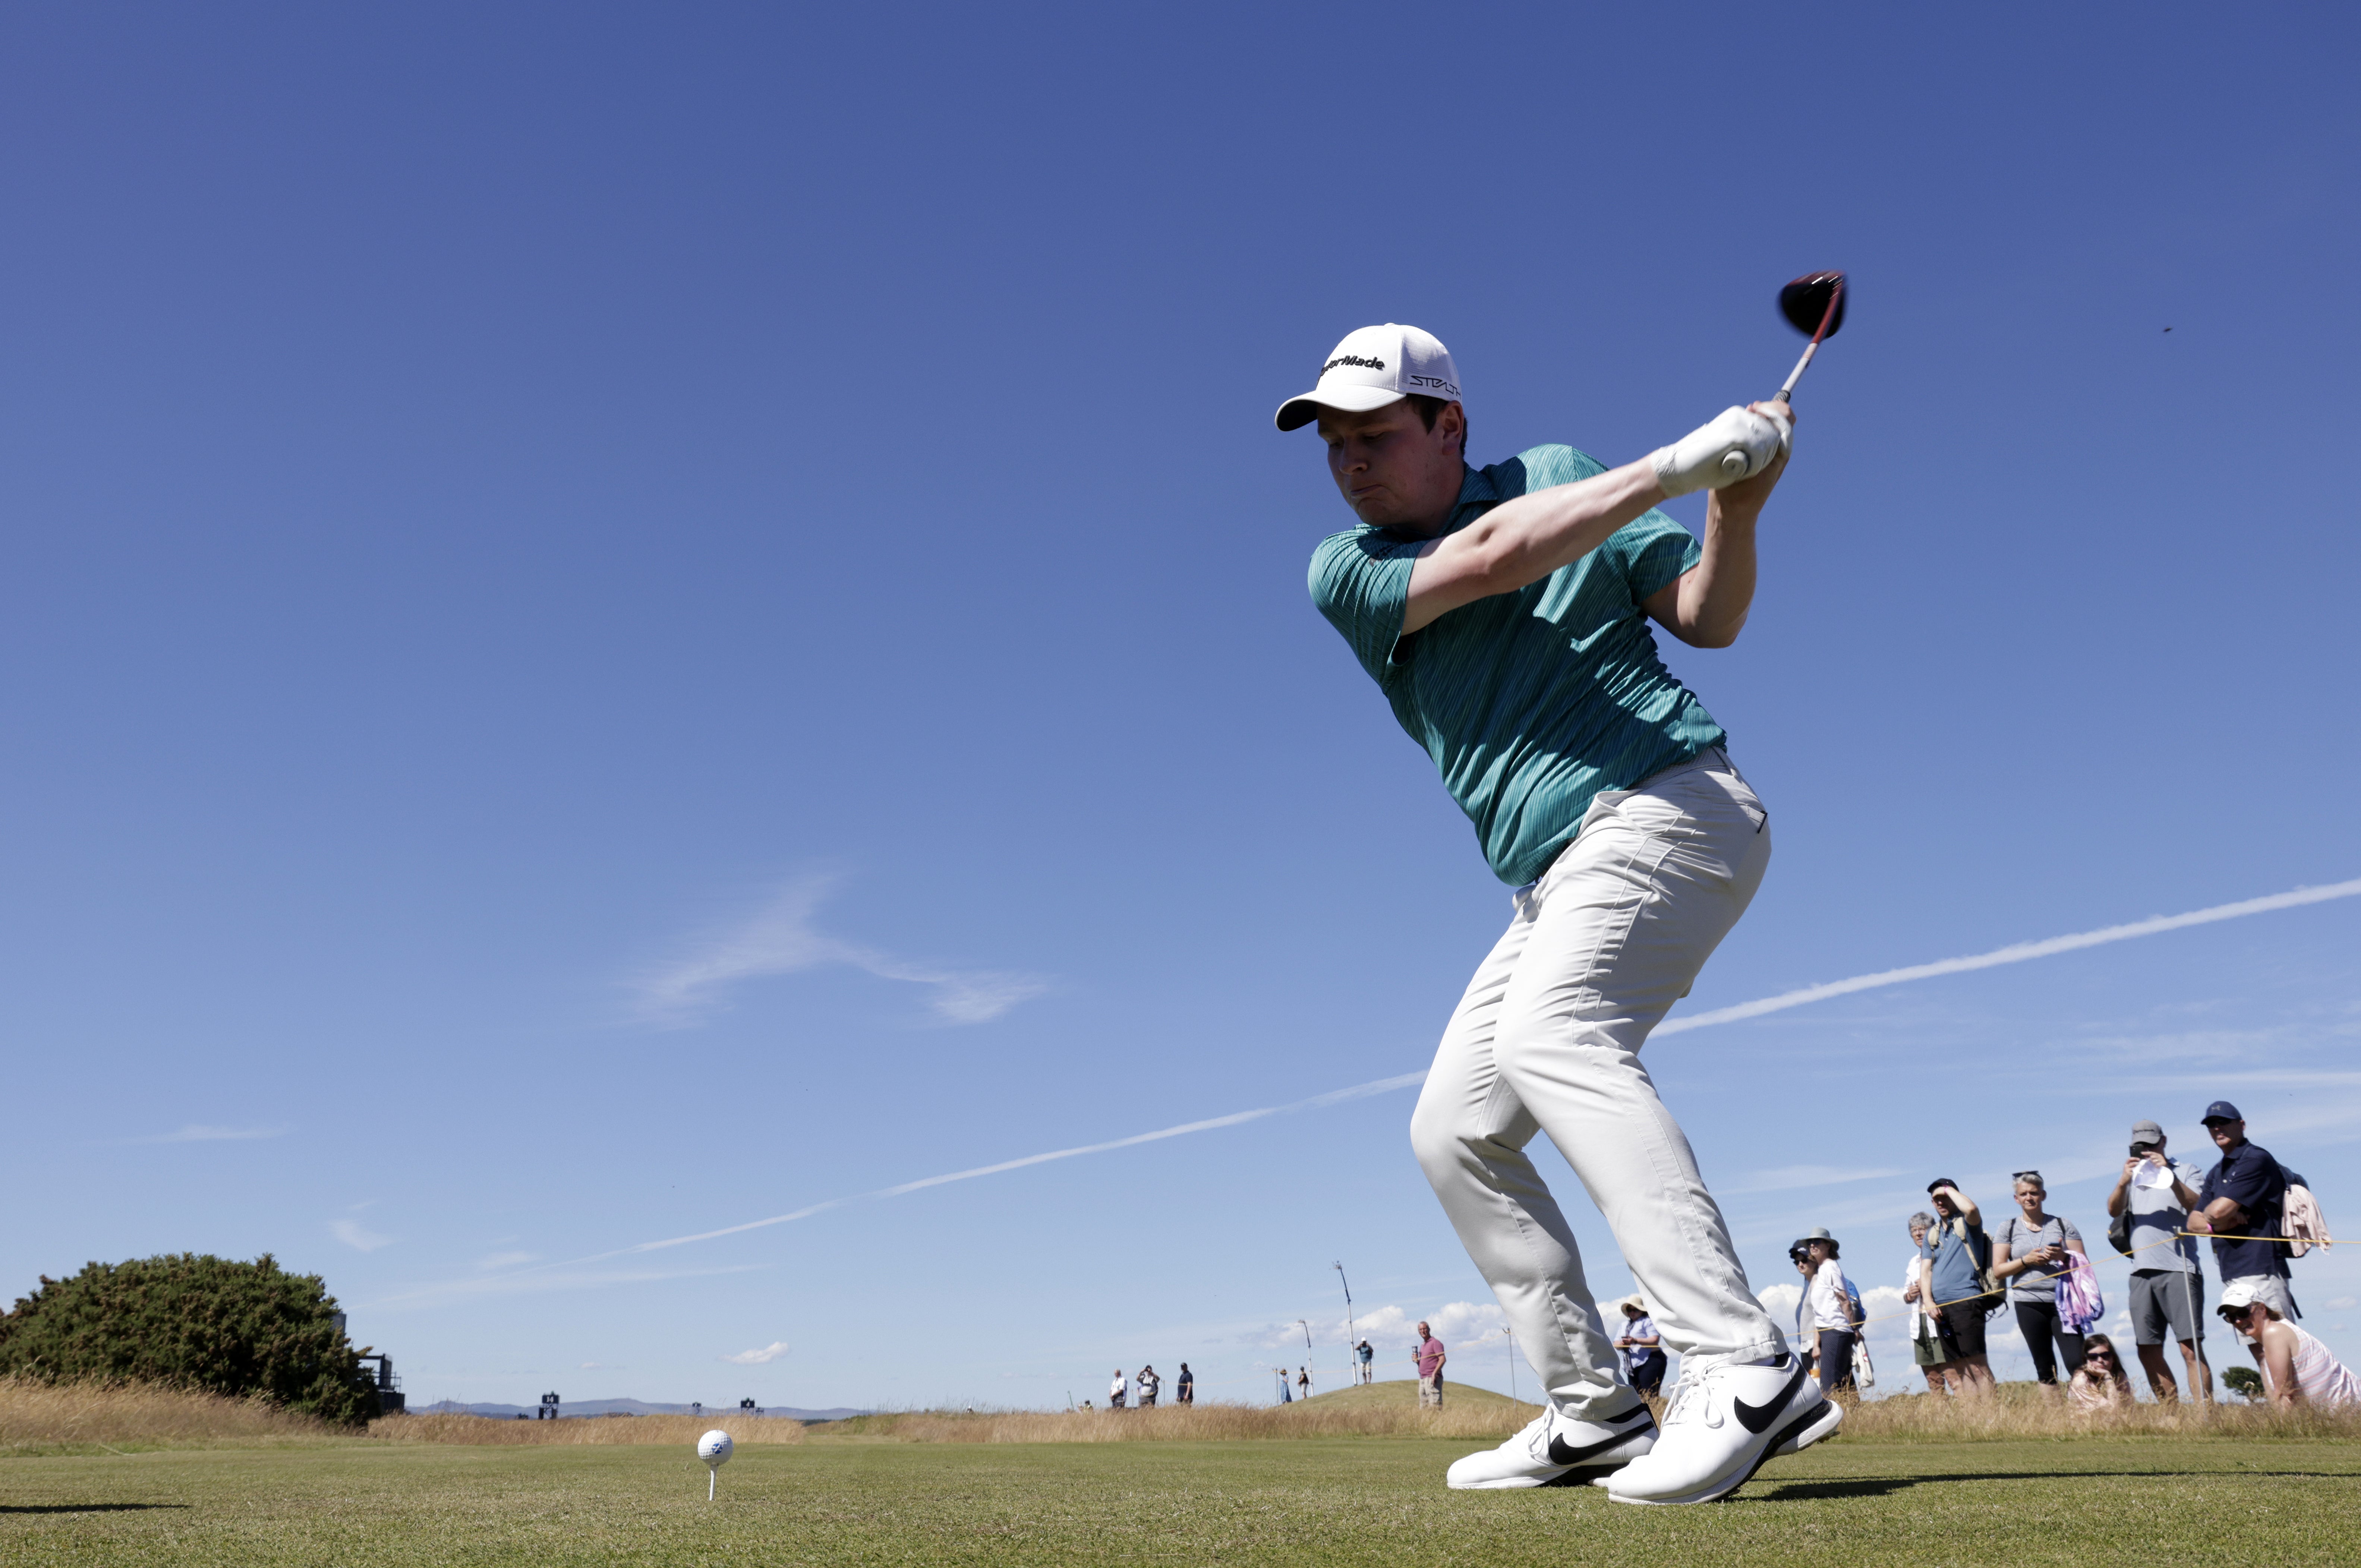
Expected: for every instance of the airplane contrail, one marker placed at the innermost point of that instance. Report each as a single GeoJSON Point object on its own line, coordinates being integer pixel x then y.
{"type": "Point", "coordinates": [2017, 953]}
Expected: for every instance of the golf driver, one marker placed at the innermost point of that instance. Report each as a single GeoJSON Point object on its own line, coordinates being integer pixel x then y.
{"type": "Point", "coordinates": [1814, 303]}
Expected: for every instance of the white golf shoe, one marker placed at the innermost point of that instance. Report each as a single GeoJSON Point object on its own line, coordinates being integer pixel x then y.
{"type": "Point", "coordinates": [1724, 1420]}
{"type": "Point", "coordinates": [1557, 1451]}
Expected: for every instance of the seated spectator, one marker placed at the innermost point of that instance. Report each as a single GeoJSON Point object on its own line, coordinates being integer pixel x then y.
{"type": "Point", "coordinates": [2297, 1368]}
{"type": "Point", "coordinates": [1643, 1355]}
{"type": "Point", "coordinates": [1958, 1253]}
{"type": "Point", "coordinates": [2030, 1253]}
{"type": "Point", "coordinates": [2099, 1383]}
{"type": "Point", "coordinates": [1925, 1345]}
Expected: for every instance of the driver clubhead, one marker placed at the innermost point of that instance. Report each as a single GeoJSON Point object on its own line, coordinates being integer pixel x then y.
{"type": "Point", "coordinates": [1805, 302]}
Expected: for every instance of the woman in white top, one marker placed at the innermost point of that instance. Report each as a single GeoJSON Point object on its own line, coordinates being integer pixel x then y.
{"type": "Point", "coordinates": [2297, 1368]}
{"type": "Point", "coordinates": [1830, 1299]}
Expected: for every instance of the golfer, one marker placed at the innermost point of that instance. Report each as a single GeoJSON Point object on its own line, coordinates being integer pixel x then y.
{"type": "Point", "coordinates": [1503, 611]}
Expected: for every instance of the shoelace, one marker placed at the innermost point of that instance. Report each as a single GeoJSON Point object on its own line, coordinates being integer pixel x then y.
{"type": "Point", "coordinates": [1690, 1396]}
{"type": "Point", "coordinates": [1536, 1437]}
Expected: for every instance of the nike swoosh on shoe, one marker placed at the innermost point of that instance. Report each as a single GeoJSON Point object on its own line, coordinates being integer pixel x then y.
{"type": "Point", "coordinates": [1757, 1419]}
{"type": "Point", "coordinates": [1562, 1453]}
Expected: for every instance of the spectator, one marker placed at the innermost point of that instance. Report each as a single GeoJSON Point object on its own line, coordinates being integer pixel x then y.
{"type": "Point", "coordinates": [2167, 1287]}
{"type": "Point", "coordinates": [2030, 1253]}
{"type": "Point", "coordinates": [1368, 1354]}
{"type": "Point", "coordinates": [1286, 1394]}
{"type": "Point", "coordinates": [1147, 1383]}
{"type": "Point", "coordinates": [2099, 1383]}
{"type": "Point", "coordinates": [1429, 1358]}
{"type": "Point", "coordinates": [1643, 1355]}
{"type": "Point", "coordinates": [1834, 1322]}
{"type": "Point", "coordinates": [1807, 1339]}
{"type": "Point", "coordinates": [2297, 1368]}
{"type": "Point", "coordinates": [2241, 1199]}
{"type": "Point", "coordinates": [1184, 1392]}
{"type": "Point", "coordinates": [1925, 1344]}
{"type": "Point", "coordinates": [1303, 1382]}
{"type": "Point", "coordinates": [1115, 1394]}
{"type": "Point", "coordinates": [1959, 1255]}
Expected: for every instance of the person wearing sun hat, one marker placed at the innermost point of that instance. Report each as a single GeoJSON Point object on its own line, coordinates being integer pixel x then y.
{"type": "Point", "coordinates": [1642, 1348]}
{"type": "Point", "coordinates": [1504, 614]}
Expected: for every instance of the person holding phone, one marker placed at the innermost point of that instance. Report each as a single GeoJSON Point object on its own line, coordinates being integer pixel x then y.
{"type": "Point", "coordinates": [2167, 1291]}
{"type": "Point", "coordinates": [2030, 1253]}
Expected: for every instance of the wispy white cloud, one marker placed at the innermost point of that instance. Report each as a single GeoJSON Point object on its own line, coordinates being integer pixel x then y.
{"type": "Point", "coordinates": [763, 1357]}
{"type": "Point", "coordinates": [353, 1233]}
{"type": "Point", "coordinates": [783, 939]}
{"type": "Point", "coordinates": [1788, 1177]}
{"type": "Point", "coordinates": [530, 1281]}
{"type": "Point", "coordinates": [1390, 1327]}
{"type": "Point", "coordinates": [200, 1132]}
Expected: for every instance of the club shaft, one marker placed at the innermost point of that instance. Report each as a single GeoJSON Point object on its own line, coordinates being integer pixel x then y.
{"type": "Point", "coordinates": [1798, 373]}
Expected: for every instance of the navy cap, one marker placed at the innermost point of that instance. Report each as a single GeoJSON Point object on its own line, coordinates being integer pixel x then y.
{"type": "Point", "coordinates": [2221, 1111]}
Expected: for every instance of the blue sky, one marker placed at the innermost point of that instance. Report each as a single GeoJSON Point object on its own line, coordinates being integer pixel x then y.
{"type": "Point", "coordinates": [620, 623]}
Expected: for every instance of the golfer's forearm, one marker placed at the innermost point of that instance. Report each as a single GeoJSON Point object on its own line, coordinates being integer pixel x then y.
{"type": "Point", "coordinates": [1524, 540]}
{"type": "Point", "coordinates": [1716, 597]}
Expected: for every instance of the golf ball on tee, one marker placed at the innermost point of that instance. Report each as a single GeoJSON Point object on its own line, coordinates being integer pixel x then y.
{"type": "Point", "coordinates": [714, 1447]}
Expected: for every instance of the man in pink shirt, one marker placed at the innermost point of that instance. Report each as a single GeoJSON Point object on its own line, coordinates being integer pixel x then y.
{"type": "Point", "coordinates": [1430, 1369]}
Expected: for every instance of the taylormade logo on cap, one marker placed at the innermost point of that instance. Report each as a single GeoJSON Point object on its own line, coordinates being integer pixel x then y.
{"type": "Point", "coordinates": [1372, 367]}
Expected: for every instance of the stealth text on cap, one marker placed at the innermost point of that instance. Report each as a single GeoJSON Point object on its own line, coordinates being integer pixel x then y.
{"type": "Point", "coordinates": [1435, 381]}
{"type": "Point", "coordinates": [1352, 359]}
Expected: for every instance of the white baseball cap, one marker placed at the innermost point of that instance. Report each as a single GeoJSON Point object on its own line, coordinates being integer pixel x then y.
{"type": "Point", "coordinates": [1372, 367]}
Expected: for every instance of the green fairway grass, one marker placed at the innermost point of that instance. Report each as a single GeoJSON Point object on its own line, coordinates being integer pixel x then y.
{"type": "Point", "coordinates": [1325, 1501]}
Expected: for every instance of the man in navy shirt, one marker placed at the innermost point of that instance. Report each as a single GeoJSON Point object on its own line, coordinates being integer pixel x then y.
{"type": "Point", "coordinates": [2242, 1199]}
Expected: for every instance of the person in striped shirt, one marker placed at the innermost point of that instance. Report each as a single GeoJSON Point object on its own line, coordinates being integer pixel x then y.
{"type": "Point", "coordinates": [1505, 614]}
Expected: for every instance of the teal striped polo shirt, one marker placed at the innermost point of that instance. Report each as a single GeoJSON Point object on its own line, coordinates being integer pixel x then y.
{"type": "Point", "coordinates": [1533, 702]}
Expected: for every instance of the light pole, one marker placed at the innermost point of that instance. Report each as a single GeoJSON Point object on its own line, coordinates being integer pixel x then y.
{"type": "Point", "coordinates": [1352, 1339]}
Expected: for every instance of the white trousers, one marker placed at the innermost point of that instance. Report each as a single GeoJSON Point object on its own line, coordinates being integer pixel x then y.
{"type": "Point", "coordinates": [1547, 1039]}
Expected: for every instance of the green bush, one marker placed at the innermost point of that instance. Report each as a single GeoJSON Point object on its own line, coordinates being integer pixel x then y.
{"type": "Point", "coordinates": [196, 1322]}
{"type": "Point", "coordinates": [2243, 1381]}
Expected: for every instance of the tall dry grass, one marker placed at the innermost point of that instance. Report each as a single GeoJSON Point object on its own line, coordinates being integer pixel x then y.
{"type": "Point", "coordinates": [582, 1430]}
{"type": "Point", "coordinates": [2018, 1412]}
{"type": "Point", "coordinates": [1185, 1423]}
{"type": "Point", "coordinates": [36, 1415]}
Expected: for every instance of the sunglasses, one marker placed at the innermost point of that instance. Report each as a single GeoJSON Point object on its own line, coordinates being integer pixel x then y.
{"type": "Point", "coordinates": [2100, 1356]}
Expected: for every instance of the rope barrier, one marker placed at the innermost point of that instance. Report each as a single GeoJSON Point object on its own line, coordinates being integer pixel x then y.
{"type": "Point", "coordinates": [2002, 1290]}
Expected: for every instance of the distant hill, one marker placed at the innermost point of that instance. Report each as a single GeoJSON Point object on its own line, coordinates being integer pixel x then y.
{"type": "Point", "coordinates": [1403, 1391]}
{"type": "Point", "coordinates": [574, 1409]}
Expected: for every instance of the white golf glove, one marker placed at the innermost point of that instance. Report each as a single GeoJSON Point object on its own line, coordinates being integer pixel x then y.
{"type": "Point", "coordinates": [1737, 444]}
